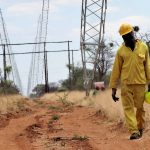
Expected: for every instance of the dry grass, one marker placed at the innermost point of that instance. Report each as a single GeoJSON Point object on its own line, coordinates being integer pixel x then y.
{"type": "Point", "coordinates": [10, 102]}
{"type": "Point", "coordinates": [101, 101]}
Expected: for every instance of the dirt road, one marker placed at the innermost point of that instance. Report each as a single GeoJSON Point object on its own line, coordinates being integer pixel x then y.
{"type": "Point", "coordinates": [60, 126]}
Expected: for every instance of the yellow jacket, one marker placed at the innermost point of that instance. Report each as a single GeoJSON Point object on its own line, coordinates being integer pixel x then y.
{"type": "Point", "coordinates": [132, 67]}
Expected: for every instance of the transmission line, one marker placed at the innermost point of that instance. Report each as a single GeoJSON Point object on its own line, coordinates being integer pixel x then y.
{"type": "Point", "coordinates": [58, 51]}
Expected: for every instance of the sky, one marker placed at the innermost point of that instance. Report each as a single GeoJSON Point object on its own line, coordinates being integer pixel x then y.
{"type": "Point", "coordinates": [21, 17]}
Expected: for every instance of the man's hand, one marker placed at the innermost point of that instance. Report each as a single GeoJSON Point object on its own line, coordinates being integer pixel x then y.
{"type": "Point", "coordinates": [114, 95]}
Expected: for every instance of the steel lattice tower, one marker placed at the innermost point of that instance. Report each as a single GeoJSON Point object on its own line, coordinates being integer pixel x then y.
{"type": "Point", "coordinates": [39, 61]}
{"type": "Point", "coordinates": [93, 14]}
{"type": "Point", "coordinates": [9, 59]}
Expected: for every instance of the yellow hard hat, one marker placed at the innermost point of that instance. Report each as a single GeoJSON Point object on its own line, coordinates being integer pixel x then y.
{"type": "Point", "coordinates": [125, 28]}
{"type": "Point", "coordinates": [147, 97]}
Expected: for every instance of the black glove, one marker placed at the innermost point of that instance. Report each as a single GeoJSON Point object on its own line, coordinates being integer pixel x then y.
{"type": "Point", "coordinates": [148, 87]}
{"type": "Point", "coordinates": [114, 95]}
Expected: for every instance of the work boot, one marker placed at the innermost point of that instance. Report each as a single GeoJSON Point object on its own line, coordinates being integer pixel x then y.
{"type": "Point", "coordinates": [141, 132]}
{"type": "Point", "coordinates": [135, 136]}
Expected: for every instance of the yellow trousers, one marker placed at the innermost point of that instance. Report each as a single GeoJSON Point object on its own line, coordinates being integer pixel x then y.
{"type": "Point", "coordinates": [133, 97]}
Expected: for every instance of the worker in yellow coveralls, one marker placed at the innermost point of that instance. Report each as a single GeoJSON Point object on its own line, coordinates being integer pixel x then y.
{"type": "Point", "coordinates": [132, 69]}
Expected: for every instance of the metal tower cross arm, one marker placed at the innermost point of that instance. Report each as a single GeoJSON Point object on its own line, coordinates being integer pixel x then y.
{"type": "Point", "coordinates": [93, 14]}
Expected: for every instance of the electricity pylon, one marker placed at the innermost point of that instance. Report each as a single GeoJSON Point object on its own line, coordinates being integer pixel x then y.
{"type": "Point", "coordinates": [93, 14]}
{"type": "Point", "coordinates": [8, 60]}
{"type": "Point", "coordinates": [39, 61]}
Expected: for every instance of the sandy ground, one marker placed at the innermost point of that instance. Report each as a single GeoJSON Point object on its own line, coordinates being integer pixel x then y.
{"type": "Point", "coordinates": [71, 121]}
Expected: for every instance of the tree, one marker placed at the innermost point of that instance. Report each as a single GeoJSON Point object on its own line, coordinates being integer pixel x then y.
{"type": "Point", "coordinates": [8, 70]}
{"type": "Point", "coordinates": [38, 90]}
{"type": "Point", "coordinates": [146, 38]}
{"type": "Point", "coordinates": [53, 86]}
{"type": "Point", "coordinates": [7, 86]}
{"type": "Point", "coordinates": [105, 57]}
{"type": "Point", "coordinates": [105, 60]}
{"type": "Point", "coordinates": [76, 78]}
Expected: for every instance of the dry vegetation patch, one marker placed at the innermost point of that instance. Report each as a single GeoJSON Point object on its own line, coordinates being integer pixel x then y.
{"type": "Point", "coordinates": [12, 106]}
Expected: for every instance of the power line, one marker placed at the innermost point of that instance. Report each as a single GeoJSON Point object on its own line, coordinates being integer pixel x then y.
{"type": "Point", "coordinates": [39, 52]}
{"type": "Point", "coordinates": [35, 43]}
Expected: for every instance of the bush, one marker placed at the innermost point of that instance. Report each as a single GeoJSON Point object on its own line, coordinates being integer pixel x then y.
{"type": "Point", "coordinates": [62, 89]}
{"type": "Point", "coordinates": [38, 91]}
{"type": "Point", "coordinates": [8, 87]}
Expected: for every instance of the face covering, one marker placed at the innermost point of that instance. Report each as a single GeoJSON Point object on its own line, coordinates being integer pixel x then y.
{"type": "Point", "coordinates": [129, 40]}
